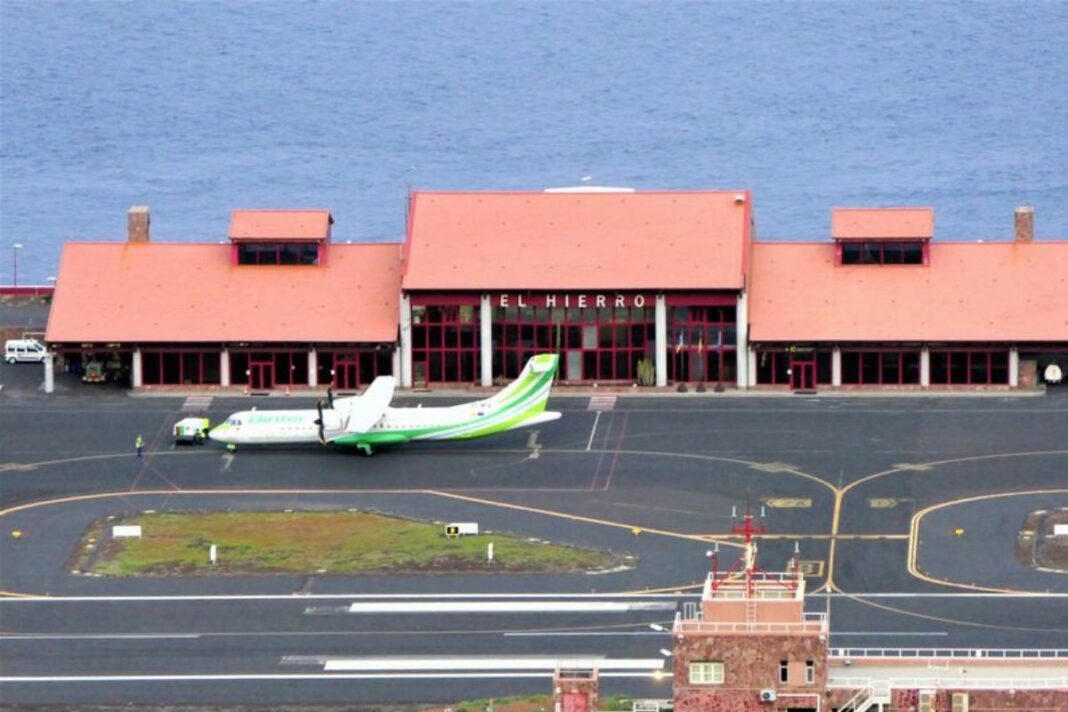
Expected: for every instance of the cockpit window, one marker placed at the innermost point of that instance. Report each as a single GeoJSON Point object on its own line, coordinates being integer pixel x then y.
{"type": "Point", "coordinates": [234, 421]}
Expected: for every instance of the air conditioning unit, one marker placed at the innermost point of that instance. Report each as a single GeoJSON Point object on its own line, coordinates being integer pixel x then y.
{"type": "Point", "coordinates": [767, 695]}
{"type": "Point", "coordinates": [960, 702]}
{"type": "Point", "coordinates": [928, 701]}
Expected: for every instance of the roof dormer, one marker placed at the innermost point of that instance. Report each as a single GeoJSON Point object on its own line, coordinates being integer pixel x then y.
{"type": "Point", "coordinates": [280, 237]}
{"type": "Point", "coordinates": [882, 236]}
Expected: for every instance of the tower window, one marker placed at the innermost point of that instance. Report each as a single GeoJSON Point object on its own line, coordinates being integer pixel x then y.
{"type": "Point", "coordinates": [706, 673]}
{"type": "Point", "coordinates": [784, 671]}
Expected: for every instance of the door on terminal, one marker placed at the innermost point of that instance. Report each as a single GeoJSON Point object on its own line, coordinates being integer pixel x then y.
{"type": "Point", "coordinates": [575, 702]}
{"type": "Point", "coordinates": [261, 375]}
{"type": "Point", "coordinates": [346, 373]}
{"type": "Point", "coordinates": [802, 374]}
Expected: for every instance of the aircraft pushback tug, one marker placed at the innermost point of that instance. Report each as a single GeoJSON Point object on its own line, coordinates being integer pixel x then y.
{"type": "Point", "coordinates": [367, 421]}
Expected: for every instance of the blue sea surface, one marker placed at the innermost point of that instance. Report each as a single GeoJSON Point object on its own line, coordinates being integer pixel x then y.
{"type": "Point", "coordinates": [197, 108]}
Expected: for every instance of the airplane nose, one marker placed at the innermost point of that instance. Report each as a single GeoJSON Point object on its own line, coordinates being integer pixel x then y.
{"type": "Point", "coordinates": [220, 433]}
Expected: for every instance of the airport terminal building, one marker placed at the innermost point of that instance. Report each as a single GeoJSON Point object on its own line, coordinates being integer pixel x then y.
{"type": "Point", "coordinates": [651, 288]}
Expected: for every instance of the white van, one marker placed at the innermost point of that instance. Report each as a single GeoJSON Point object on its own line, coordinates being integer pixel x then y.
{"type": "Point", "coordinates": [24, 350]}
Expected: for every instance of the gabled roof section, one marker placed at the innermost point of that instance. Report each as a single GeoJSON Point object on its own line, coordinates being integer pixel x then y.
{"type": "Point", "coordinates": [167, 293]}
{"type": "Point", "coordinates": [1000, 292]}
{"type": "Point", "coordinates": [289, 225]}
{"type": "Point", "coordinates": [882, 223]}
{"type": "Point", "coordinates": [577, 240]}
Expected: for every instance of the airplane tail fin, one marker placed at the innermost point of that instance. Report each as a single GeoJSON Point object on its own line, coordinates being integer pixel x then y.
{"type": "Point", "coordinates": [532, 386]}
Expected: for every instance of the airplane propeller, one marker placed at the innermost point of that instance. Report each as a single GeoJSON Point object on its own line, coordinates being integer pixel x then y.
{"type": "Point", "coordinates": [319, 422]}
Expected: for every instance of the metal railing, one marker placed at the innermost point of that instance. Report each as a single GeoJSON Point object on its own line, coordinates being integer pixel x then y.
{"type": "Point", "coordinates": [951, 653]}
{"type": "Point", "coordinates": [954, 682]}
{"type": "Point", "coordinates": [814, 623]}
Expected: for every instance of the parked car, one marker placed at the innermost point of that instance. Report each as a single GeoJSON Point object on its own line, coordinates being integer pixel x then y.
{"type": "Point", "coordinates": [24, 351]}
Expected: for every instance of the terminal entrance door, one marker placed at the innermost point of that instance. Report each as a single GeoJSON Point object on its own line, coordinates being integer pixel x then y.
{"type": "Point", "coordinates": [347, 373]}
{"type": "Point", "coordinates": [261, 375]}
{"type": "Point", "coordinates": [802, 374]}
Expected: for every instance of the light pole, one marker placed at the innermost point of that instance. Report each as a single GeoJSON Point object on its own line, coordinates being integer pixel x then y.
{"type": "Point", "coordinates": [15, 262]}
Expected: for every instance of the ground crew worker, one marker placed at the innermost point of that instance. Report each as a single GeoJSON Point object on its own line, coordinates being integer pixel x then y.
{"type": "Point", "coordinates": [140, 445]}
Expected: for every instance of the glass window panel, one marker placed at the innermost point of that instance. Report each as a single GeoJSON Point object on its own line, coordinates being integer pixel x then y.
{"type": "Point", "coordinates": [289, 254]}
{"type": "Point", "coordinates": [298, 367]}
{"type": "Point", "coordinates": [999, 367]}
{"type": "Point", "coordinates": [309, 254]}
{"type": "Point", "coordinates": [452, 367]}
{"type": "Point", "coordinates": [604, 371]}
{"type": "Point", "coordinates": [729, 372]}
{"type": "Point", "coordinates": [637, 335]}
{"type": "Point", "coordinates": [621, 335]}
{"type": "Point", "coordinates": [823, 367]}
{"type": "Point", "coordinates": [574, 365]}
{"type": "Point", "coordinates": [869, 367]}
{"type": "Point", "coordinates": [713, 372]}
{"type": "Point", "coordinates": [150, 367]}
{"type": "Point", "coordinates": [730, 335]}
{"type": "Point", "coordinates": [939, 367]}
{"type": "Point", "coordinates": [782, 368]}
{"type": "Point", "coordinates": [850, 367]}
{"type": "Point", "coordinates": [958, 367]}
{"type": "Point", "coordinates": [435, 362]}
{"type": "Point", "coordinates": [980, 372]}
{"type": "Point", "coordinates": [589, 365]}
{"type": "Point", "coordinates": [191, 367]}
{"type": "Point", "coordinates": [697, 365]}
{"type": "Point", "coordinates": [605, 339]}
{"type": "Point", "coordinates": [891, 367]}
{"type": "Point", "coordinates": [766, 368]}
{"type": "Point", "coordinates": [910, 367]}
{"type": "Point", "coordinates": [871, 253]}
{"type": "Point", "coordinates": [893, 253]}
{"type": "Point", "coordinates": [912, 253]}
{"type": "Point", "coordinates": [589, 337]}
{"type": "Point", "coordinates": [172, 368]}
{"type": "Point", "coordinates": [239, 368]}
{"type": "Point", "coordinates": [851, 253]}
{"type": "Point", "coordinates": [451, 336]}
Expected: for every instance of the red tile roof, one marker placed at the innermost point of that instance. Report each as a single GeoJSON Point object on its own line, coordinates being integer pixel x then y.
{"type": "Point", "coordinates": [157, 292]}
{"type": "Point", "coordinates": [885, 223]}
{"type": "Point", "coordinates": [280, 224]}
{"type": "Point", "coordinates": [969, 292]}
{"type": "Point", "coordinates": [559, 241]}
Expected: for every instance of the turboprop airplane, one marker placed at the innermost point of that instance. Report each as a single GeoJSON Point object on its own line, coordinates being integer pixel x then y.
{"type": "Point", "coordinates": [367, 421]}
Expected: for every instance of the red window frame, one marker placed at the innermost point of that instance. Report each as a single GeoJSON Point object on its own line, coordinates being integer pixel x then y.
{"type": "Point", "coordinates": [879, 247]}
{"type": "Point", "coordinates": [779, 362]}
{"type": "Point", "coordinates": [521, 332]}
{"type": "Point", "coordinates": [262, 250]}
{"type": "Point", "coordinates": [370, 363]}
{"type": "Point", "coordinates": [690, 346]}
{"type": "Point", "coordinates": [881, 366]}
{"type": "Point", "coordinates": [160, 368]}
{"type": "Point", "coordinates": [969, 357]}
{"type": "Point", "coordinates": [284, 371]}
{"type": "Point", "coordinates": [446, 338]}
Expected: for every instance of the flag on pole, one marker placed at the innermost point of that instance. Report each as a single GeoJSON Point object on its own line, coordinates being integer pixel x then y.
{"type": "Point", "coordinates": [681, 344]}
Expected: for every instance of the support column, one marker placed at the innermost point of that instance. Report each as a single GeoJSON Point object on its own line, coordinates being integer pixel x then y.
{"type": "Point", "coordinates": [224, 368]}
{"type": "Point", "coordinates": [1014, 367]}
{"type": "Point", "coordinates": [313, 368]}
{"type": "Point", "coordinates": [925, 367]}
{"type": "Point", "coordinates": [485, 344]}
{"type": "Point", "coordinates": [661, 341]}
{"type": "Point", "coordinates": [49, 372]}
{"type": "Point", "coordinates": [405, 341]}
{"type": "Point", "coordinates": [752, 359]}
{"type": "Point", "coordinates": [742, 330]}
{"type": "Point", "coordinates": [395, 365]}
{"type": "Point", "coordinates": [836, 367]}
{"type": "Point", "coordinates": [137, 378]}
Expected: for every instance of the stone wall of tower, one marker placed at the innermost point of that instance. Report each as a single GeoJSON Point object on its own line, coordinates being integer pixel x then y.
{"type": "Point", "coordinates": [751, 664]}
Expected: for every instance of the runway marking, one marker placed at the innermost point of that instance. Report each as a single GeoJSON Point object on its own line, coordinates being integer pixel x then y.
{"type": "Point", "coordinates": [788, 502]}
{"type": "Point", "coordinates": [534, 445]}
{"type": "Point", "coordinates": [813, 568]}
{"type": "Point", "coordinates": [317, 676]}
{"type": "Point", "coordinates": [508, 607]}
{"type": "Point", "coordinates": [596, 419]}
{"type": "Point", "coordinates": [101, 636]}
{"type": "Point", "coordinates": [575, 517]}
{"type": "Point", "coordinates": [196, 404]}
{"type": "Point", "coordinates": [841, 492]}
{"type": "Point", "coordinates": [599, 403]}
{"type": "Point", "coordinates": [914, 537]}
{"type": "Point", "coordinates": [583, 634]}
{"type": "Point", "coordinates": [496, 663]}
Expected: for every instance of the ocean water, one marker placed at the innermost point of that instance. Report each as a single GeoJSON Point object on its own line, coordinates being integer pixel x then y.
{"type": "Point", "coordinates": [197, 108]}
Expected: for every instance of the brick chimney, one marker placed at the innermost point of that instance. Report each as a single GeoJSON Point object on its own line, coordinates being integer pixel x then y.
{"type": "Point", "coordinates": [137, 222]}
{"type": "Point", "coordinates": [1025, 223]}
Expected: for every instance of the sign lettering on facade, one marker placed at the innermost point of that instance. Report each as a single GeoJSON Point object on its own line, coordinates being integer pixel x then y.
{"type": "Point", "coordinates": [569, 300]}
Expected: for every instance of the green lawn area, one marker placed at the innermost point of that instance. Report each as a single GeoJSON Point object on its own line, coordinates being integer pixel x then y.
{"type": "Point", "coordinates": [339, 542]}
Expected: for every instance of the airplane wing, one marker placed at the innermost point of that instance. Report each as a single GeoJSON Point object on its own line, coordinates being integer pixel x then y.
{"type": "Point", "coordinates": [366, 410]}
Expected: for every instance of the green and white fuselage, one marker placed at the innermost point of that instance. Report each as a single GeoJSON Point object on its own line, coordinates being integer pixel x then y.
{"type": "Point", "coordinates": [368, 421]}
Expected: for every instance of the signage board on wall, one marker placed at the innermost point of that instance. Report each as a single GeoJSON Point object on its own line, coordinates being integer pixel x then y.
{"type": "Point", "coordinates": [580, 300]}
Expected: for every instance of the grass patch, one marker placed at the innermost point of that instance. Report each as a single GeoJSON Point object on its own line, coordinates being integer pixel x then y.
{"type": "Point", "coordinates": [341, 542]}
